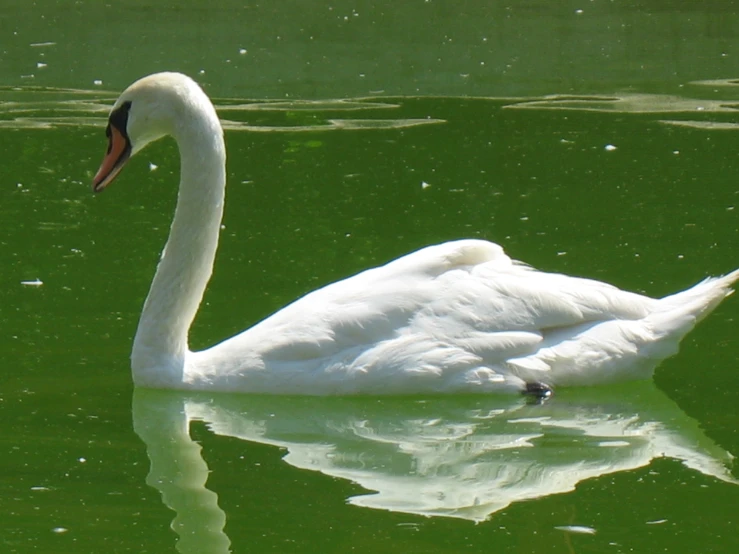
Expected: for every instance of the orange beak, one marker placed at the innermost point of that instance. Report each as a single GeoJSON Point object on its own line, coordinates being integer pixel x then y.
{"type": "Point", "coordinates": [119, 150]}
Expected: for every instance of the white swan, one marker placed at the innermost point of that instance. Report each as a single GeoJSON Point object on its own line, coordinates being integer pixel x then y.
{"type": "Point", "coordinates": [455, 317]}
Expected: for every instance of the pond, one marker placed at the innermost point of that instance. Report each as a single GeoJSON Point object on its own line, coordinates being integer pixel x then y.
{"type": "Point", "coordinates": [590, 138]}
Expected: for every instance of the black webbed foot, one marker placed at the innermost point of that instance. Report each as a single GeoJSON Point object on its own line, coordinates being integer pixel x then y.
{"type": "Point", "coordinates": [537, 392]}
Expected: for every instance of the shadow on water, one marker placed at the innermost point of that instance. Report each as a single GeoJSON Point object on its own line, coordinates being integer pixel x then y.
{"type": "Point", "coordinates": [460, 457]}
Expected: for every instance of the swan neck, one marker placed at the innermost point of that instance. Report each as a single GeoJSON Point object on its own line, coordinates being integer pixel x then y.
{"type": "Point", "coordinates": [161, 342]}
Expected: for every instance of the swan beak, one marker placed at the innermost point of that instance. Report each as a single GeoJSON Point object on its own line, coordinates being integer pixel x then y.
{"type": "Point", "coordinates": [119, 150]}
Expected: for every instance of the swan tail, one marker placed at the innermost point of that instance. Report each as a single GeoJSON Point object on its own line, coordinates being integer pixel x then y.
{"type": "Point", "coordinates": [621, 349]}
{"type": "Point", "coordinates": [703, 297]}
{"type": "Point", "coordinates": [677, 314]}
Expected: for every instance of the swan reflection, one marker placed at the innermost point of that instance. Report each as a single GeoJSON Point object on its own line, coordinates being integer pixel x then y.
{"type": "Point", "coordinates": [465, 457]}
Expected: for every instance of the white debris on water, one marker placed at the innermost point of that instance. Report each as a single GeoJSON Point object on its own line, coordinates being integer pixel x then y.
{"type": "Point", "coordinates": [579, 529]}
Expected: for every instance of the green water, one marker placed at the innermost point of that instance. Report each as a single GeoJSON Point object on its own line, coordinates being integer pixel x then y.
{"type": "Point", "coordinates": [430, 121]}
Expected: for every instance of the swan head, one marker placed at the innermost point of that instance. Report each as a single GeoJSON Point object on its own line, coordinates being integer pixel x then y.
{"type": "Point", "coordinates": [147, 110]}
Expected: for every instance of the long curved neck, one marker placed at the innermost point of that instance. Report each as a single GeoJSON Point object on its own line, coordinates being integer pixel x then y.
{"type": "Point", "coordinates": [161, 344]}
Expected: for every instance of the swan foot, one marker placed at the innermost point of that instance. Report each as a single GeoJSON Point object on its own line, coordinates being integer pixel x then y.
{"type": "Point", "coordinates": [537, 391]}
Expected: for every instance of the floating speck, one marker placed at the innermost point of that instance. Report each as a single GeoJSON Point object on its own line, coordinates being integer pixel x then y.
{"type": "Point", "coordinates": [35, 283]}
{"type": "Point", "coordinates": [579, 529]}
{"type": "Point", "coordinates": [610, 148]}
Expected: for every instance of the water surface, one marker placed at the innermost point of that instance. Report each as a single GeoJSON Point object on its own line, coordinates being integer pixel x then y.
{"type": "Point", "coordinates": [579, 141]}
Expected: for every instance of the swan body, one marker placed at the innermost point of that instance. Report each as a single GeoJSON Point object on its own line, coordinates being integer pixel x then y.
{"type": "Point", "coordinates": [455, 317]}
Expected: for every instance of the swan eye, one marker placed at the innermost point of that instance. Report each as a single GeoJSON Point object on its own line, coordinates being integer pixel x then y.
{"type": "Point", "coordinates": [119, 118]}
